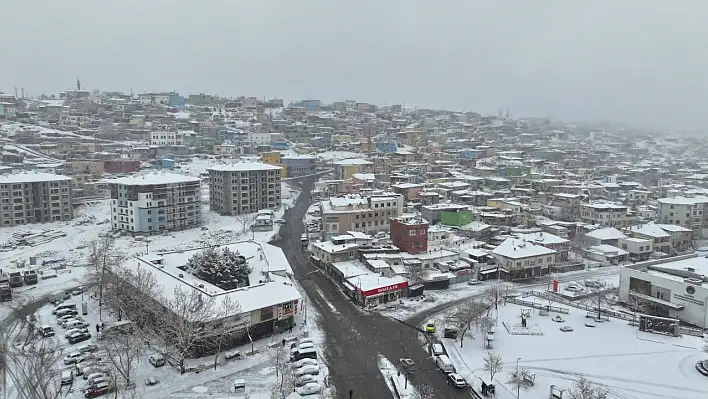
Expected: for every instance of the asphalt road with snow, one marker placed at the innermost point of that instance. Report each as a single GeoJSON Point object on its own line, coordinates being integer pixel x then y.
{"type": "Point", "coordinates": [354, 337]}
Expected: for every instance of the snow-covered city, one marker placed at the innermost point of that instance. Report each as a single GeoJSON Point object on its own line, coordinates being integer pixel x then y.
{"type": "Point", "coordinates": [253, 201]}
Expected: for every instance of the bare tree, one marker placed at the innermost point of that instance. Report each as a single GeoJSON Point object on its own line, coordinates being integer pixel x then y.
{"type": "Point", "coordinates": [637, 305]}
{"type": "Point", "coordinates": [285, 374]}
{"type": "Point", "coordinates": [492, 363]}
{"type": "Point", "coordinates": [131, 291]}
{"type": "Point", "coordinates": [32, 366]}
{"type": "Point", "coordinates": [244, 222]}
{"type": "Point", "coordinates": [124, 351]}
{"type": "Point", "coordinates": [104, 255]}
{"type": "Point", "coordinates": [584, 389]}
{"type": "Point", "coordinates": [191, 323]}
{"type": "Point", "coordinates": [467, 315]}
{"type": "Point", "coordinates": [423, 392]}
{"type": "Point", "coordinates": [416, 272]}
{"type": "Point", "coordinates": [600, 298]}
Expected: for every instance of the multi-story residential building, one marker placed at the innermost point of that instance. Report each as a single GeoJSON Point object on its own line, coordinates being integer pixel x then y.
{"type": "Point", "coordinates": [523, 259]}
{"type": "Point", "coordinates": [166, 137]}
{"type": "Point", "coordinates": [410, 234]}
{"type": "Point", "coordinates": [28, 198]}
{"type": "Point", "coordinates": [246, 187]}
{"type": "Point", "coordinates": [687, 212]}
{"type": "Point", "coordinates": [299, 165]}
{"type": "Point", "coordinates": [155, 202]}
{"type": "Point", "coordinates": [607, 215]}
{"type": "Point", "coordinates": [358, 213]}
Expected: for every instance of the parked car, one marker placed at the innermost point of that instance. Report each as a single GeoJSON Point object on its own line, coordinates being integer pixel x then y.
{"type": "Point", "coordinates": [46, 331]}
{"type": "Point", "coordinates": [231, 355]}
{"type": "Point", "coordinates": [430, 328]}
{"type": "Point", "coordinates": [407, 364]}
{"type": "Point", "coordinates": [312, 370]}
{"type": "Point", "coordinates": [450, 332]}
{"type": "Point", "coordinates": [150, 381]}
{"type": "Point", "coordinates": [573, 287]}
{"type": "Point", "coordinates": [75, 331]}
{"type": "Point", "coordinates": [77, 291]}
{"type": "Point", "coordinates": [304, 362]}
{"type": "Point", "coordinates": [79, 337]}
{"type": "Point", "coordinates": [438, 350]}
{"type": "Point", "coordinates": [305, 379]}
{"type": "Point", "coordinates": [67, 378]}
{"type": "Point", "coordinates": [309, 389]}
{"type": "Point", "coordinates": [457, 380]}
{"type": "Point", "coordinates": [157, 360]}
{"type": "Point", "coordinates": [90, 348]}
{"type": "Point", "coordinates": [593, 284]}
{"type": "Point", "coordinates": [73, 357]}
{"type": "Point", "coordinates": [474, 281]}
{"type": "Point", "coordinates": [94, 392]}
{"type": "Point", "coordinates": [566, 328]}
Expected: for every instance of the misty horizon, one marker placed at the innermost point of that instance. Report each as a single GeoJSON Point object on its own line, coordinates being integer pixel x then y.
{"type": "Point", "coordinates": [635, 62]}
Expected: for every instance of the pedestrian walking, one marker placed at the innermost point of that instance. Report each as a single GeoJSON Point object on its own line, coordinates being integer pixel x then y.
{"type": "Point", "coordinates": [98, 327]}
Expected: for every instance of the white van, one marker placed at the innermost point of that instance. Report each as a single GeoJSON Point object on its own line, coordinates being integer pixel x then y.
{"type": "Point", "coordinates": [239, 386]}
{"type": "Point", "coordinates": [443, 362]}
{"type": "Point", "coordinates": [62, 306]}
{"type": "Point", "coordinates": [75, 324]}
{"type": "Point", "coordinates": [67, 378]}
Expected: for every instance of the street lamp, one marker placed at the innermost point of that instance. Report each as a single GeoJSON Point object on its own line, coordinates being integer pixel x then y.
{"type": "Point", "coordinates": [518, 381]}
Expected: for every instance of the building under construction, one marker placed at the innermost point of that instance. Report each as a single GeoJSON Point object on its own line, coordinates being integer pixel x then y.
{"type": "Point", "coordinates": [155, 202]}
{"type": "Point", "coordinates": [33, 197]}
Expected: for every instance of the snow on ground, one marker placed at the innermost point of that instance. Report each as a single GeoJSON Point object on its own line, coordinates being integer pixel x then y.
{"type": "Point", "coordinates": [630, 364]}
{"type": "Point", "coordinates": [339, 155]}
{"type": "Point", "coordinates": [404, 388]}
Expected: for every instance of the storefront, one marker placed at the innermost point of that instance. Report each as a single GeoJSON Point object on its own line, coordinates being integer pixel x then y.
{"type": "Point", "coordinates": [373, 292]}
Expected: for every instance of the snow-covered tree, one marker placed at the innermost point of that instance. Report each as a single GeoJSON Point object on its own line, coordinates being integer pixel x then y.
{"type": "Point", "coordinates": [468, 314]}
{"type": "Point", "coordinates": [492, 363]}
{"type": "Point", "coordinates": [224, 268]}
{"type": "Point", "coordinates": [600, 298]}
{"type": "Point", "coordinates": [584, 389]}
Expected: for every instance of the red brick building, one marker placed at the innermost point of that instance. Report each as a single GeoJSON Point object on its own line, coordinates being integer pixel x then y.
{"type": "Point", "coordinates": [121, 166]}
{"type": "Point", "coordinates": [410, 234]}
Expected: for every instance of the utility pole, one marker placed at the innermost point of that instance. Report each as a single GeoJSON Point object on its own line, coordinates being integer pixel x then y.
{"type": "Point", "coordinates": [518, 382]}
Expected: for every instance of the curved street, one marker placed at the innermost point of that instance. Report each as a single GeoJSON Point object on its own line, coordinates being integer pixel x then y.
{"type": "Point", "coordinates": [355, 337]}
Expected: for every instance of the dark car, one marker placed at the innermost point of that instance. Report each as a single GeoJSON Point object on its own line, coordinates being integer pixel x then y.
{"type": "Point", "coordinates": [450, 333]}
{"type": "Point", "coordinates": [95, 392]}
{"type": "Point", "coordinates": [81, 337]}
{"type": "Point", "coordinates": [408, 365]}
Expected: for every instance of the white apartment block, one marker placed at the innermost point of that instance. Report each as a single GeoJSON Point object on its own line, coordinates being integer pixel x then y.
{"type": "Point", "coordinates": [246, 187]}
{"type": "Point", "coordinates": [165, 137]}
{"type": "Point", "coordinates": [155, 202]}
{"type": "Point", "coordinates": [606, 215]}
{"type": "Point", "coordinates": [688, 212]}
{"type": "Point", "coordinates": [518, 258]}
{"type": "Point", "coordinates": [28, 198]}
{"type": "Point", "coordinates": [357, 213]}
{"type": "Point", "coordinates": [257, 139]}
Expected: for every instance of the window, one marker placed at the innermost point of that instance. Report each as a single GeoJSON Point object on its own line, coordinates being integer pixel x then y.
{"type": "Point", "coordinates": [411, 233]}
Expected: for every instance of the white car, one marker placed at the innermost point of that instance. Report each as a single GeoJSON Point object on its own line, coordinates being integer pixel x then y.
{"type": "Point", "coordinates": [309, 389]}
{"type": "Point", "coordinates": [457, 380]}
{"type": "Point", "coordinates": [313, 370]}
{"type": "Point", "coordinates": [305, 362]}
{"type": "Point", "coordinates": [438, 350]}
{"type": "Point", "coordinates": [73, 357]}
{"type": "Point", "coordinates": [474, 281]}
{"type": "Point", "coordinates": [304, 380]}
{"type": "Point", "coordinates": [574, 287]}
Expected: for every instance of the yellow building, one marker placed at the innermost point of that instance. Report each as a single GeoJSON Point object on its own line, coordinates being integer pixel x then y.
{"type": "Point", "coordinates": [271, 158]}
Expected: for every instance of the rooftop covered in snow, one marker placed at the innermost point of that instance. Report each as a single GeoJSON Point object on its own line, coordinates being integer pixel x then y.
{"type": "Point", "coordinates": [152, 178]}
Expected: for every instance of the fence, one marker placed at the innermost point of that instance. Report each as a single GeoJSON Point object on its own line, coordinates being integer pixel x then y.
{"type": "Point", "coordinates": [538, 305]}
{"type": "Point", "coordinates": [582, 306]}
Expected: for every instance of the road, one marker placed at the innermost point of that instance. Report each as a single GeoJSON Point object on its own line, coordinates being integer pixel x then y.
{"type": "Point", "coordinates": [354, 337]}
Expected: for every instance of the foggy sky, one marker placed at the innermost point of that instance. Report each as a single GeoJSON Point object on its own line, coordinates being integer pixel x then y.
{"type": "Point", "coordinates": [637, 61]}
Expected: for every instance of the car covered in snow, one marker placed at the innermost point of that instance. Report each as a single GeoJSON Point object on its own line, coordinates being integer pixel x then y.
{"type": "Point", "coordinates": [90, 348]}
{"type": "Point", "coordinates": [304, 362]}
{"type": "Point", "coordinates": [309, 369]}
{"type": "Point", "coordinates": [309, 389]}
{"type": "Point", "coordinates": [566, 328]}
{"type": "Point", "coordinates": [73, 357]}
{"type": "Point", "coordinates": [150, 381]}
{"type": "Point", "coordinates": [437, 349]}
{"type": "Point", "coordinates": [305, 379]}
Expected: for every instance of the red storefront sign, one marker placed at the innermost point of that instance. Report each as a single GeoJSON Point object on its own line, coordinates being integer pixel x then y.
{"type": "Point", "coordinates": [383, 290]}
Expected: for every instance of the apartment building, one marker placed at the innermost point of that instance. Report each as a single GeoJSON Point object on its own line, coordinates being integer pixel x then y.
{"type": "Point", "coordinates": [155, 202]}
{"type": "Point", "coordinates": [688, 212]}
{"type": "Point", "coordinates": [245, 187]}
{"type": "Point", "coordinates": [358, 213]}
{"type": "Point", "coordinates": [607, 215]}
{"type": "Point", "coordinates": [410, 234]}
{"type": "Point", "coordinates": [166, 137]}
{"type": "Point", "coordinates": [518, 258]}
{"type": "Point", "coordinates": [28, 198]}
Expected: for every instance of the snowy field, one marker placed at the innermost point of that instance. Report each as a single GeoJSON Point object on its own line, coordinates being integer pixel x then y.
{"type": "Point", "coordinates": [615, 355]}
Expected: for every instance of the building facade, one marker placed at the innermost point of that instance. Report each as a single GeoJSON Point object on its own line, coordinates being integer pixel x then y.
{"type": "Point", "coordinates": [301, 165]}
{"type": "Point", "coordinates": [607, 215]}
{"type": "Point", "coordinates": [155, 202]}
{"type": "Point", "coordinates": [28, 198]}
{"type": "Point", "coordinates": [410, 234]}
{"type": "Point", "coordinates": [241, 188]}
{"type": "Point", "coordinates": [357, 213]}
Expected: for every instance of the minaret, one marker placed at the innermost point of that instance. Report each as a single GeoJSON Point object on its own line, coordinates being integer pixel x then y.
{"type": "Point", "coordinates": [78, 84]}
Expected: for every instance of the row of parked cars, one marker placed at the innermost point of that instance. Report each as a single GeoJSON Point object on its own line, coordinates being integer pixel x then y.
{"type": "Point", "coordinates": [303, 357]}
